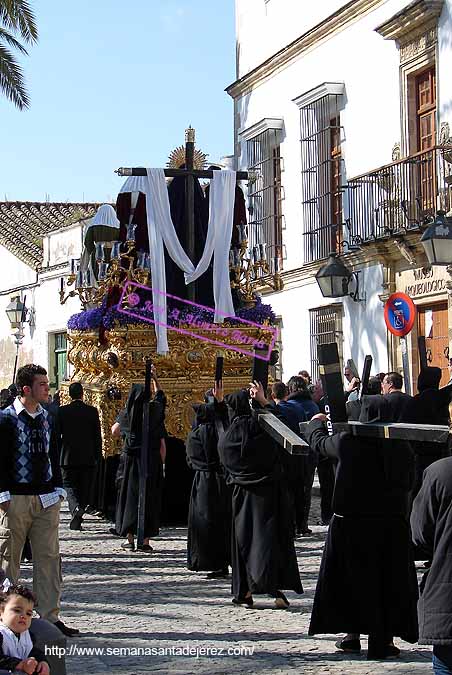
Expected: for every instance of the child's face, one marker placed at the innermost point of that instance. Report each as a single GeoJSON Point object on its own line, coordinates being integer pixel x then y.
{"type": "Point", "coordinates": [17, 614]}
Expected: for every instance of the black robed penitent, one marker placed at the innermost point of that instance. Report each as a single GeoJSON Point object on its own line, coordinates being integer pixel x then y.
{"type": "Point", "coordinates": [209, 516]}
{"type": "Point", "coordinates": [367, 581]}
{"type": "Point", "coordinates": [263, 552]}
{"type": "Point", "coordinates": [129, 467]}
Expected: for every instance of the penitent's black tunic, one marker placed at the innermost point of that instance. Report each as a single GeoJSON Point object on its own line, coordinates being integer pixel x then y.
{"type": "Point", "coordinates": [128, 475]}
{"type": "Point", "coordinates": [263, 552]}
{"type": "Point", "coordinates": [209, 516]}
{"type": "Point", "coordinates": [367, 581]}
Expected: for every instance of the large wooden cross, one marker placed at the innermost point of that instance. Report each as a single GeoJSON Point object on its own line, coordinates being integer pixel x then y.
{"type": "Point", "coordinates": [189, 173]}
{"type": "Point", "coordinates": [330, 371]}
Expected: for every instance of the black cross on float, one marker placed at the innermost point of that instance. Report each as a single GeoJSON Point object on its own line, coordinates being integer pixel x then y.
{"type": "Point", "coordinates": [189, 173]}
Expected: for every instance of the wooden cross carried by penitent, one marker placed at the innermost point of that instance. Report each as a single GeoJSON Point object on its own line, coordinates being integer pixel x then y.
{"type": "Point", "coordinates": [189, 173]}
{"type": "Point", "coordinates": [331, 375]}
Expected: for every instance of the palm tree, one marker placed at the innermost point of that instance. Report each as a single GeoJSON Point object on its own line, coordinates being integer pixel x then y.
{"type": "Point", "coordinates": [16, 17]}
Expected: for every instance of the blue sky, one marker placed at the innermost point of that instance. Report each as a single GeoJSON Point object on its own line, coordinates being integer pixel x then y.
{"type": "Point", "coordinates": [116, 83]}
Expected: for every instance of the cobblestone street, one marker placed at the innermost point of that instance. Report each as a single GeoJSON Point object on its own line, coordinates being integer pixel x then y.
{"type": "Point", "coordinates": [136, 600]}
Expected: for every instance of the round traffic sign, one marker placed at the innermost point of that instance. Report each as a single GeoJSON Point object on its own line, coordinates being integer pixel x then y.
{"type": "Point", "coordinates": [400, 314]}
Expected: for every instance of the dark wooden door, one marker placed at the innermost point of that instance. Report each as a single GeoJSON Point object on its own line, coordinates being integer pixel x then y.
{"type": "Point", "coordinates": [426, 135]}
{"type": "Point", "coordinates": [433, 323]}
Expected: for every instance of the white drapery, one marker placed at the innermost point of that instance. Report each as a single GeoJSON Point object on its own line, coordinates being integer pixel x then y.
{"type": "Point", "coordinates": [161, 231]}
{"type": "Point", "coordinates": [106, 216]}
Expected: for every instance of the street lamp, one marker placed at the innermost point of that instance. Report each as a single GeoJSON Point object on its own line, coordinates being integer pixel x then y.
{"type": "Point", "coordinates": [437, 240]}
{"type": "Point", "coordinates": [17, 312]}
{"type": "Point", "coordinates": [334, 279]}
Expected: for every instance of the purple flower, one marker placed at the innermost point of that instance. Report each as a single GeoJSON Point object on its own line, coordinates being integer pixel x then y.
{"type": "Point", "coordinates": [92, 319]}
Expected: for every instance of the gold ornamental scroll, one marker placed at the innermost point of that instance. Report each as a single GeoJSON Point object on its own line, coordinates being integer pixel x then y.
{"type": "Point", "coordinates": [184, 373]}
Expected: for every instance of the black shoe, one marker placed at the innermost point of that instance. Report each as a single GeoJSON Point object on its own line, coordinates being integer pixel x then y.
{"type": "Point", "coordinates": [384, 652]}
{"type": "Point", "coordinates": [349, 646]}
{"type": "Point", "coordinates": [145, 548]}
{"type": "Point", "coordinates": [90, 510]}
{"type": "Point", "coordinates": [218, 574]}
{"type": "Point", "coordinates": [248, 602]}
{"type": "Point", "coordinates": [114, 531]}
{"type": "Point", "coordinates": [68, 632]}
{"type": "Point", "coordinates": [306, 533]}
{"type": "Point", "coordinates": [76, 522]}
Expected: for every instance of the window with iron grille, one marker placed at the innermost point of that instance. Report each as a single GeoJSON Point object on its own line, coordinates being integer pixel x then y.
{"type": "Point", "coordinates": [265, 195]}
{"type": "Point", "coordinates": [325, 325]}
{"type": "Point", "coordinates": [321, 169]}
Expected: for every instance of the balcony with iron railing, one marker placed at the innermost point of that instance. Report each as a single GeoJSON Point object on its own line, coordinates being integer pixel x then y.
{"type": "Point", "coordinates": [390, 201]}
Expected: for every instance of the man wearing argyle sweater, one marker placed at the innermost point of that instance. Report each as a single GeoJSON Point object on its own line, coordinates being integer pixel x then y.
{"type": "Point", "coordinates": [31, 491]}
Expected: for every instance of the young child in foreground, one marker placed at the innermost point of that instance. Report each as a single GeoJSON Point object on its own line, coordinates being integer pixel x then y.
{"type": "Point", "coordinates": [17, 650]}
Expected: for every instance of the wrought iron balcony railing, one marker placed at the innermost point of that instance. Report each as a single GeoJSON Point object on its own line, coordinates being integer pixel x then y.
{"type": "Point", "coordinates": [385, 202]}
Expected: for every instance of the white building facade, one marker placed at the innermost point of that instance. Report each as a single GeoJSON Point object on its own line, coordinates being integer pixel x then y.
{"type": "Point", "coordinates": [342, 111]}
{"type": "Point", "coordinates": [37, 242]}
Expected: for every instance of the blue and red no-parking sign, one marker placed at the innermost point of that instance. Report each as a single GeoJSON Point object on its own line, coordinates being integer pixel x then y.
{"type": "Point", "coordinates": [400, 314]}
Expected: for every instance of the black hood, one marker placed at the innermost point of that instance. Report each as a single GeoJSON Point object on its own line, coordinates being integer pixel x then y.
{"type": "Point", "coordinates": [374, 408]}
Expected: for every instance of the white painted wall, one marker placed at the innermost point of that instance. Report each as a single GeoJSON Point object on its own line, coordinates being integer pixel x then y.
{"type": "Point", "coordinates": [13, 272]}
{"type": "Point", "coordinates": [363, 324]}
{"type": "Point", "coordinates": [49, 316]}
{"type": "Point", "coordinates": [60, 246]}
{"type": "Point", "coordinates": [445, 64]}
{"type": "Point", "coordinates": [368, 65]}
{"type": "Point", "coordinates": [265, 27]}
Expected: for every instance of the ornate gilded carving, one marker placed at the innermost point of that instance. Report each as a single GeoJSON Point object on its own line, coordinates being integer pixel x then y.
{"type": "Point", "coordinates": [185, 373]}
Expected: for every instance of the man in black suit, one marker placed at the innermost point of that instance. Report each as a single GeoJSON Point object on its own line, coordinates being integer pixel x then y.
{"type": "Point", "coordinates": [398, 401]}
{"type": "Point", "coordinates": [80, 450]}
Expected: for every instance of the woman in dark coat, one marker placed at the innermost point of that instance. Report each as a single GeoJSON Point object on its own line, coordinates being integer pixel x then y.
{"type": "Point", "coordinates": [431, 524]}
{"type": "Point", "coordinates": [130, 422]}
{"type": "Point", "coordinates": [209, 515]}
{"type": "Point", "coordinates": [367, 581]}
{"type": "Point", "coordinates": [263, 552]}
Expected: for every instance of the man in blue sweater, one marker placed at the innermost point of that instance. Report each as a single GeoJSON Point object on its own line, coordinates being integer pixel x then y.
{"type": "Point", "coordinates": [31, 491]}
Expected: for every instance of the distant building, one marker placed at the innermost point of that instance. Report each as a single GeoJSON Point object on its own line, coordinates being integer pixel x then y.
{"type": "Point", "coordinates": [37, 241]}
{"type": "Point", "coordinates": [341, 109]}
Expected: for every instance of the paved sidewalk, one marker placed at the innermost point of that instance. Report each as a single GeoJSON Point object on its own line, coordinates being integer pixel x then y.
{"type": "Point", "coordinates": [135, 600]}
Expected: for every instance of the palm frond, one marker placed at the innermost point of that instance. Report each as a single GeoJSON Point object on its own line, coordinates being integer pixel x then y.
{"type": "Point", "coordinates": [18, 16]}
{"type": "Point", "coordinates": [11, 79]}
{"type": "Point", "coordinates": [5, 36]}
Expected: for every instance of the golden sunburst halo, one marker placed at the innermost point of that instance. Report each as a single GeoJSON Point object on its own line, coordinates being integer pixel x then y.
{"type": "Point", "coordinates": [177, 158]}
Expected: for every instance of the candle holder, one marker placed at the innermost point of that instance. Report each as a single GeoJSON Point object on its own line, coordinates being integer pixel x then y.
{"type": "Point", "coordinates": [115, 250]}
{"type": "Point", "coordinates": [100, 251]}
{"type": "Point", "coordinates": [249, 268]}
{"type": "Point", "coordinates": [131, 232]}
{"type": "Point", "coordinates": [79, 281]}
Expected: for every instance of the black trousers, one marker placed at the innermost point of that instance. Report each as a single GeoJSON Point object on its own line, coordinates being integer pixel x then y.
{"type": "Point", "coordinates": [309, 464]}
{"type": "Point", "coordinates": [77, 481]}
